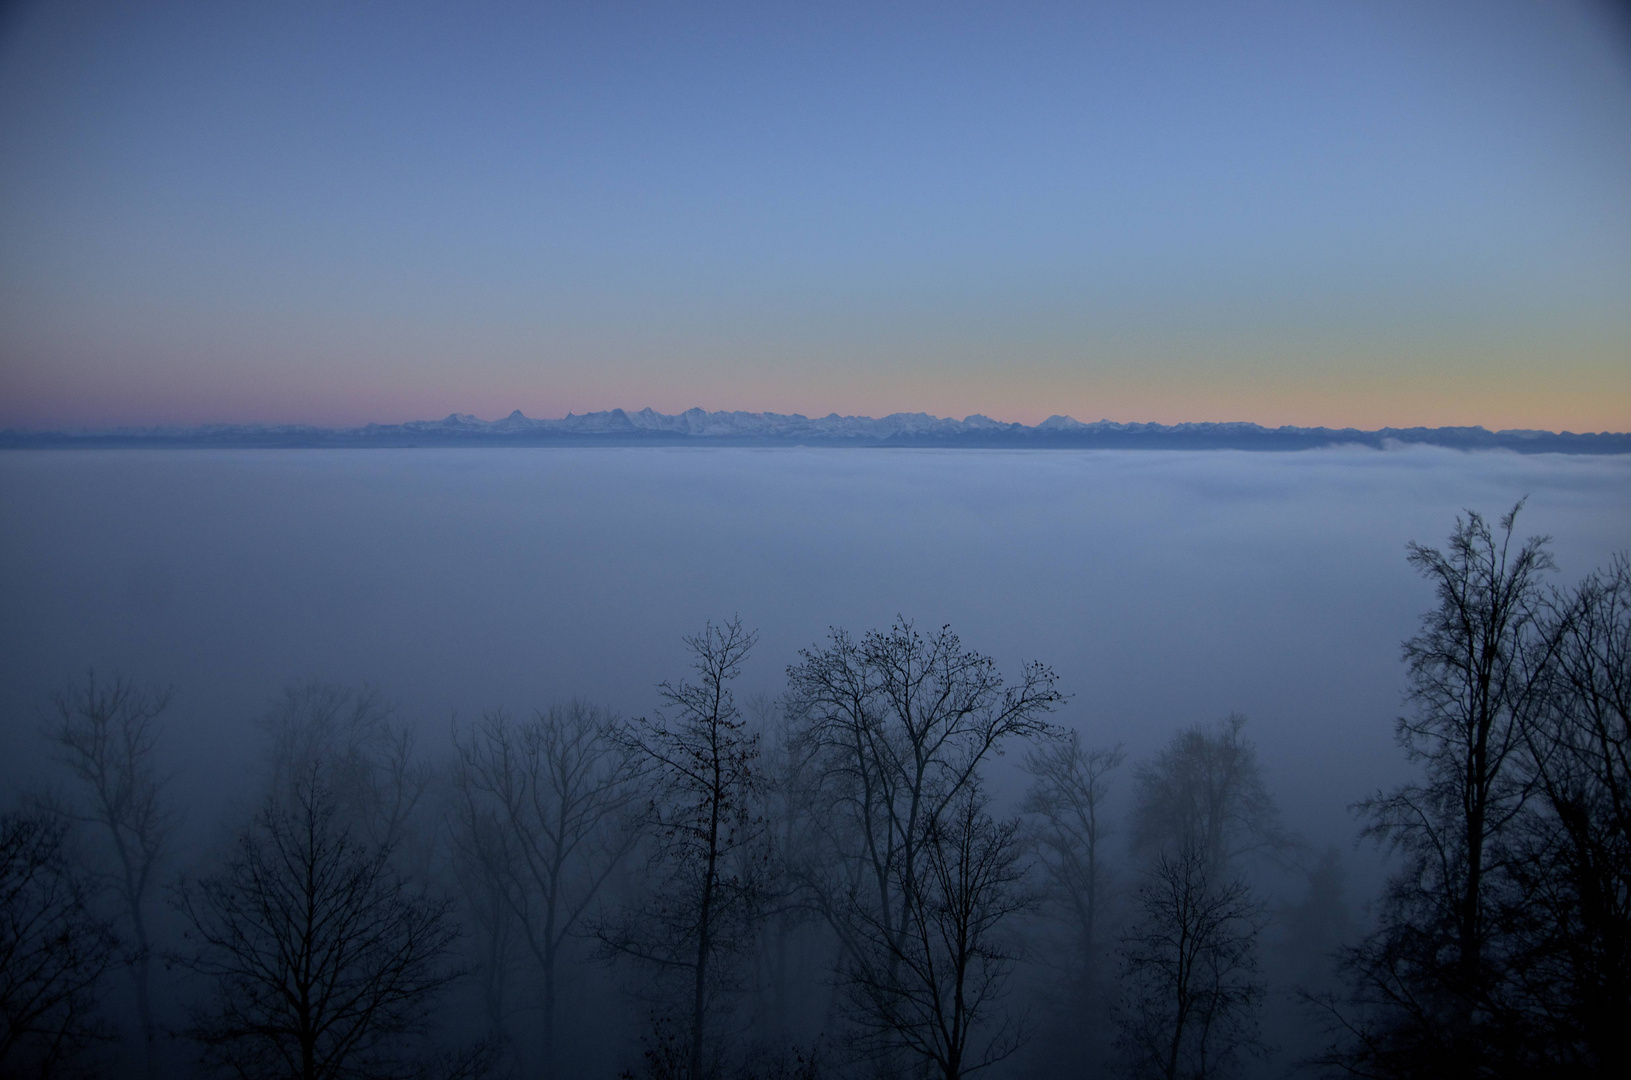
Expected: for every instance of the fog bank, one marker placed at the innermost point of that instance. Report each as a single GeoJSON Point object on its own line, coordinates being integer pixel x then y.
{"type": "Point", "coordinates": [1165, 587]}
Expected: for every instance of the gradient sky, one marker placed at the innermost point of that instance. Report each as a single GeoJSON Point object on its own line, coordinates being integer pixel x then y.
{"type": "Point", "coordinates": [1315, 213]}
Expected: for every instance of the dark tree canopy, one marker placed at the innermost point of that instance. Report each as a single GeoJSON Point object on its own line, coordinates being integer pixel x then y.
{"type": "Point", "coordinates": [53, 949]}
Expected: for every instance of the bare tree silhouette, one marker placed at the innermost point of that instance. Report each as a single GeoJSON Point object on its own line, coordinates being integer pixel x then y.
{"type": "Point", "coordinates": [901, 723]}
{"type": "Point", "coordinates": [107, 732]}
{"type": "Point", "coordinates": [542, 813]}
{"type": "Point", "coordinates": [703, 787]}
{"type": "Point", "coordinates": [1432, 991]}
{"type": "Point", "coordinates": [53, 948]}
{"type": "Point", "coordinates": [1571, 849]}
{"type": "Point", "coordinates": [933, 982]}
{"type": "Point", "coordinates": [1189, 986]}
{"type": "Point", "coordinates": [352, 738]}
{"type": "Point", "coordinates": [1205, 790]}
{"type": "Point", "coordinates": [320, 960]}
{"type": "Point", "coordinates": [1066, 796]}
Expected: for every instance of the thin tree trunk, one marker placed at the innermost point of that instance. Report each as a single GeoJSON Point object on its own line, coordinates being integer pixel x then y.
{"type": "Point", "coordinates": [704, 935]}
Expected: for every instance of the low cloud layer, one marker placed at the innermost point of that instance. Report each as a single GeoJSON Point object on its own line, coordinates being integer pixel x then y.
{"type": "Point", "coordinates": [1165, 588]}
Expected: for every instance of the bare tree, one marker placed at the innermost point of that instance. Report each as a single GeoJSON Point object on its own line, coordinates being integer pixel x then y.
{"type": "Point", "coordinates": [484, 877]}
{"type": "Point", "coordinates": [352, 737]}
{"type": "Point", "coordinates": [1570, 912]}
{"type": "Point", "coordinates": [1205, 790]}
{"type": "Point", "coordinates": [322, 962]}
{"type": "Point", "coordinates": [541, 812]}
{"type": "Point", "coordinates": [791, 931]}
{"type": "Point", "coordinates": [700, 767]}
{"type": "Point", "coordinates": [1189, 961]}
{"type": "Point", "coordinates": [1069, 786]}
{"type": "Point", "coordinates": [53, 948]}
{"type": "Point", "coordinates": [933, 982]}
{"type": "Point", "coordinates": [902, 723]}
{"type": "Point", "coordinates": [1189, 970]}
{"type": "Point", "coordinates": [1432, 993]}
{"type": "Point", "coordinates": [107, 733]}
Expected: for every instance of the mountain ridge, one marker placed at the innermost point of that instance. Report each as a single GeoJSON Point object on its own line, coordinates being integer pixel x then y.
{"type": "Point", "coordinates": [620, 427]}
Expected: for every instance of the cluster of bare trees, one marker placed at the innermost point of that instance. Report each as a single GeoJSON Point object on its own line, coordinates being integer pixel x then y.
{"type": "Point", "coordinates": [827, 882]}
{"type": "Point", "coordinates": [819, 882]}
{"type": "Point", "coordinates": [314, 946]}
{"type": "Point", "coordinates": [1503, 941]}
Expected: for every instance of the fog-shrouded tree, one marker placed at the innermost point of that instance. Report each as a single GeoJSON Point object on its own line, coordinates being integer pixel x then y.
{"type": "Point", "coordinates": [794, 946]}
{"type": "Point", "coordinates": [702, 787]}
{"type": "Point", "coordinates": [932, 983]}
{"type": "Point", "coordinates": [900, 723]}
{"type": "Point", "coordinates": [1202, 813]}
{"type": "Point", "coordinates": [542, 816]}
{"type": "Point", "coordinates": [1433, 993]}
{"type": "Point", "coordinates": [319, 960]}
{"type": "Point", "coordinates": [351, 736]}
{"type": "Point", "coordinates": [1317, 927]}
{"type": "Point", "coordinates": [483, 882]}
{"type": "Point", "coordinates": [1569, 915]}
{"type": "Point", "coordinates": [1204, 791]}
{"type": "Point", "coordinates": [1066, 799]}
{"type": "Point", "coordinates": [1189, 984]}
{"type": "Point", "coordinates": [106, 731]}
{"type": "Point", "coordinates": [54, 949]}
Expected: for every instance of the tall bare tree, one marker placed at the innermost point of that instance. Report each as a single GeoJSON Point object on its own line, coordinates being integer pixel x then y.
{"type": "Point", "coordinates": [1189, 959]}
{"type": "Point", "coordinates": [700, 768]}
{"type": "Point", "coordinates": [794, 941]}
{"type": "Point", "coordinates": [107, 733]}
{"type": "Point", "coordinates": [321, 960]}
{"type": "Point", "coordinates": [484, 877]}
{"type": "Point", "coordinates": [932, 984]}
{"type": "Point", "coordinates": [53, 948]}
{"type": "Point", "coordinates": [542, 811]}
{"type": "Point", "coordinates": [1570, 910]}
{"type": "Point", "coordinates": [902, 722]}
{"type": "Point", "coordinates": [1067, 794]}
{"type": "Point", "coordinates": [353, 738]}
{"type": "Point", "coordinates": [1432, 991]}
{"type": "Point", "coordinates": [1189, 969]}
{"type": "Point", "coordinates": [1205, 790]}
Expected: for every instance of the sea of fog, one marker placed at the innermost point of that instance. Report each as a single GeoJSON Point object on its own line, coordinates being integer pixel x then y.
{"type": "Point", "coordinates": [1164, 587]}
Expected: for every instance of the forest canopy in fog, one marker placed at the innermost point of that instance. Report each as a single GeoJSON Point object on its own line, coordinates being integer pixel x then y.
{"type": "Point", "coordinates": [837, 879]}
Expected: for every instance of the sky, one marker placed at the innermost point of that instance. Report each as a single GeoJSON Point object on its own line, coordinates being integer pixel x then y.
{"type": "Point", "coordinates": [1312, 213]}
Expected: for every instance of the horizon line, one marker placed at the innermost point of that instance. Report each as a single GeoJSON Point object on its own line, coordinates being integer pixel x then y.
{"type": "Point", "coordinates": [455, 418]}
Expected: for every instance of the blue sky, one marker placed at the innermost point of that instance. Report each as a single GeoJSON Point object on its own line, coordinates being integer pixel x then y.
{"type": "Point", "coordinates": [1332, 213]}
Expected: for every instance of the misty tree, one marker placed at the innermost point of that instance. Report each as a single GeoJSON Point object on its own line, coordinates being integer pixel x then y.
{"type": "Point", "coordinates": [541, 817]}
{"type": "Point", "coordinates": [1432, 994]}
{"type": "Point", "coordinates": [53, 948]}
{"type": "Point", "coordinates": [1189, 982]}
{"type": "Point", "coordinates": [702, 786]}
{"type": "Point", "coordinates": [319, 959]}
{"type": "Point", "coordinates": [1205, 791]}
{"type": "Point", "coordinates": [932, 981]}
{"type": "Point", "coordinates": [352, 738]}
{"type": "Point", "coordinates": [901, 722]}
{"type": "Point", "coordinates": [1316, 928]}
{"type": "Point", "coordinates": [1066, 797]}
{"type": "Point", "coordinates": [106, 732]}
{"type": "Point", "coordinates": [792, 808]}
{"type": "Point", "coordinates": [483, 879]}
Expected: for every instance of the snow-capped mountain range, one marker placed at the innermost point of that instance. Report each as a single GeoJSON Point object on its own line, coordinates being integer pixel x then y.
{"type": "Point", "coordinates": [698, 426]}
